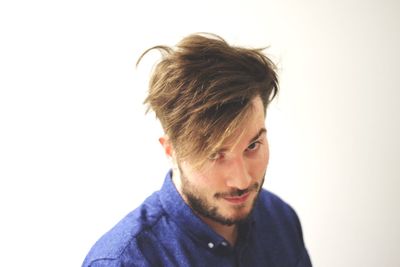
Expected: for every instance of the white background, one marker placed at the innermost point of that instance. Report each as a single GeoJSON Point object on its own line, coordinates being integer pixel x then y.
{"type": "Point", "coordinates": [77, 152]}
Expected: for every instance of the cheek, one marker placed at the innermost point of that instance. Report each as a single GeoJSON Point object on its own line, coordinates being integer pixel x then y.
{"type": "Point", "coordinates": [211, 180]}
{"type": "Point", "coordinates": [204, 181]}
{"type": "Point", "coordinates": [259, 166]}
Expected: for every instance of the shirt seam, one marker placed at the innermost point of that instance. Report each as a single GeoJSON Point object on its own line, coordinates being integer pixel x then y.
{"type": "Point", "coordinates": [101, 259]}
{"type": "Point", "coordinates": [148, 228]}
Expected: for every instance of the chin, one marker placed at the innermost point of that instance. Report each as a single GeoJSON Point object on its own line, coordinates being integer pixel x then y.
{"type": "Point", "coordinates": [241, 211]}
{"type": "Point", "coordinates": [241, 214]}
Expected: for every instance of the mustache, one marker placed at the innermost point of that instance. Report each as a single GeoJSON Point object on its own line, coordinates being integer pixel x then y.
{"type": "Point", "coordinates": [238, 192]}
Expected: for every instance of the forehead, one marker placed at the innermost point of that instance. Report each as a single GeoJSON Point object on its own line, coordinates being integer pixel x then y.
{"type": "Point", "coordinates": [249, 127]}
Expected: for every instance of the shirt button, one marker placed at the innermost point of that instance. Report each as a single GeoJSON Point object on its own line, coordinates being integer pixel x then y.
{"type": "Point", "coordinates": [224, 243]}
{"type": "Point", "coordinates": [210, 245]}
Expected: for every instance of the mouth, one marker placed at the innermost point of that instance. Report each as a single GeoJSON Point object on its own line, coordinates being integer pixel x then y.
{"type": "Point", "coordinates": [238, 200]}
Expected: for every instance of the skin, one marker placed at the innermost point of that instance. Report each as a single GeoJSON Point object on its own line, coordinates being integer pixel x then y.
{"type": "Point", "coordinates": [223, 192]}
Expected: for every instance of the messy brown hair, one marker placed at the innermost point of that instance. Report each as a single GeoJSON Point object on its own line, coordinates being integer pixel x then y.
{"type": "Point", "coordinates": [201, 92]}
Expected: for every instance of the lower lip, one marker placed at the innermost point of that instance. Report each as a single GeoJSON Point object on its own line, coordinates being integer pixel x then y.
{"type": "Point", "coordinates": [238, 200]}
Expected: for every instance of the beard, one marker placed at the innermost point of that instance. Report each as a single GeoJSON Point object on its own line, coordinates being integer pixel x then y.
{"type": "Point", "coordinates": [203, 207]}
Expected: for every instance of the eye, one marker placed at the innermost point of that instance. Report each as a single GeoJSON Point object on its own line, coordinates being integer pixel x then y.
{"type": "Point", "coordinates": [253, 146]}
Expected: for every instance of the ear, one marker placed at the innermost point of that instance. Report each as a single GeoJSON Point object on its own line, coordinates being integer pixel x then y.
{"type": "Point", "coordinates": [167, 145]}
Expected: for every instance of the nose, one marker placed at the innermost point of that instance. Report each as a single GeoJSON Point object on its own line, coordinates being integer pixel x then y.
{"type": "Point", "coordinates": [238, 175]}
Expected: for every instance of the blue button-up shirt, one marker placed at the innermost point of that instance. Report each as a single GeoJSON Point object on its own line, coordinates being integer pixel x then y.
{"type": "Point", "coordinates": [164, 231]}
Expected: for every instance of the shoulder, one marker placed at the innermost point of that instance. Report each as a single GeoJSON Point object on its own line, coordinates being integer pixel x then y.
{"type": "Point", "coordinates": [274, 205]}
{"type": "Point", "coordinates": [112, 248]}
{"type": "Point", "coordinates": [278, 227]}
{"type": "Point", "coordinates": [275, 212]}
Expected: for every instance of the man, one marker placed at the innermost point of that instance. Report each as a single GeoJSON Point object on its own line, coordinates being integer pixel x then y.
{"type": "Point", "coordinates": [211, 99]}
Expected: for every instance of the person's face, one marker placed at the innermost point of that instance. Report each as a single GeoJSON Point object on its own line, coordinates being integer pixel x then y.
{"type": "Point", "coordinates": [224, 190]}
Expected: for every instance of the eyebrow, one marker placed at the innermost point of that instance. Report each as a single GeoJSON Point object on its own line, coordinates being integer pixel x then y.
{"type": "Point", "coordinates": [258, 135]}
{"type": "Point", "coordinates": [261, 132]}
